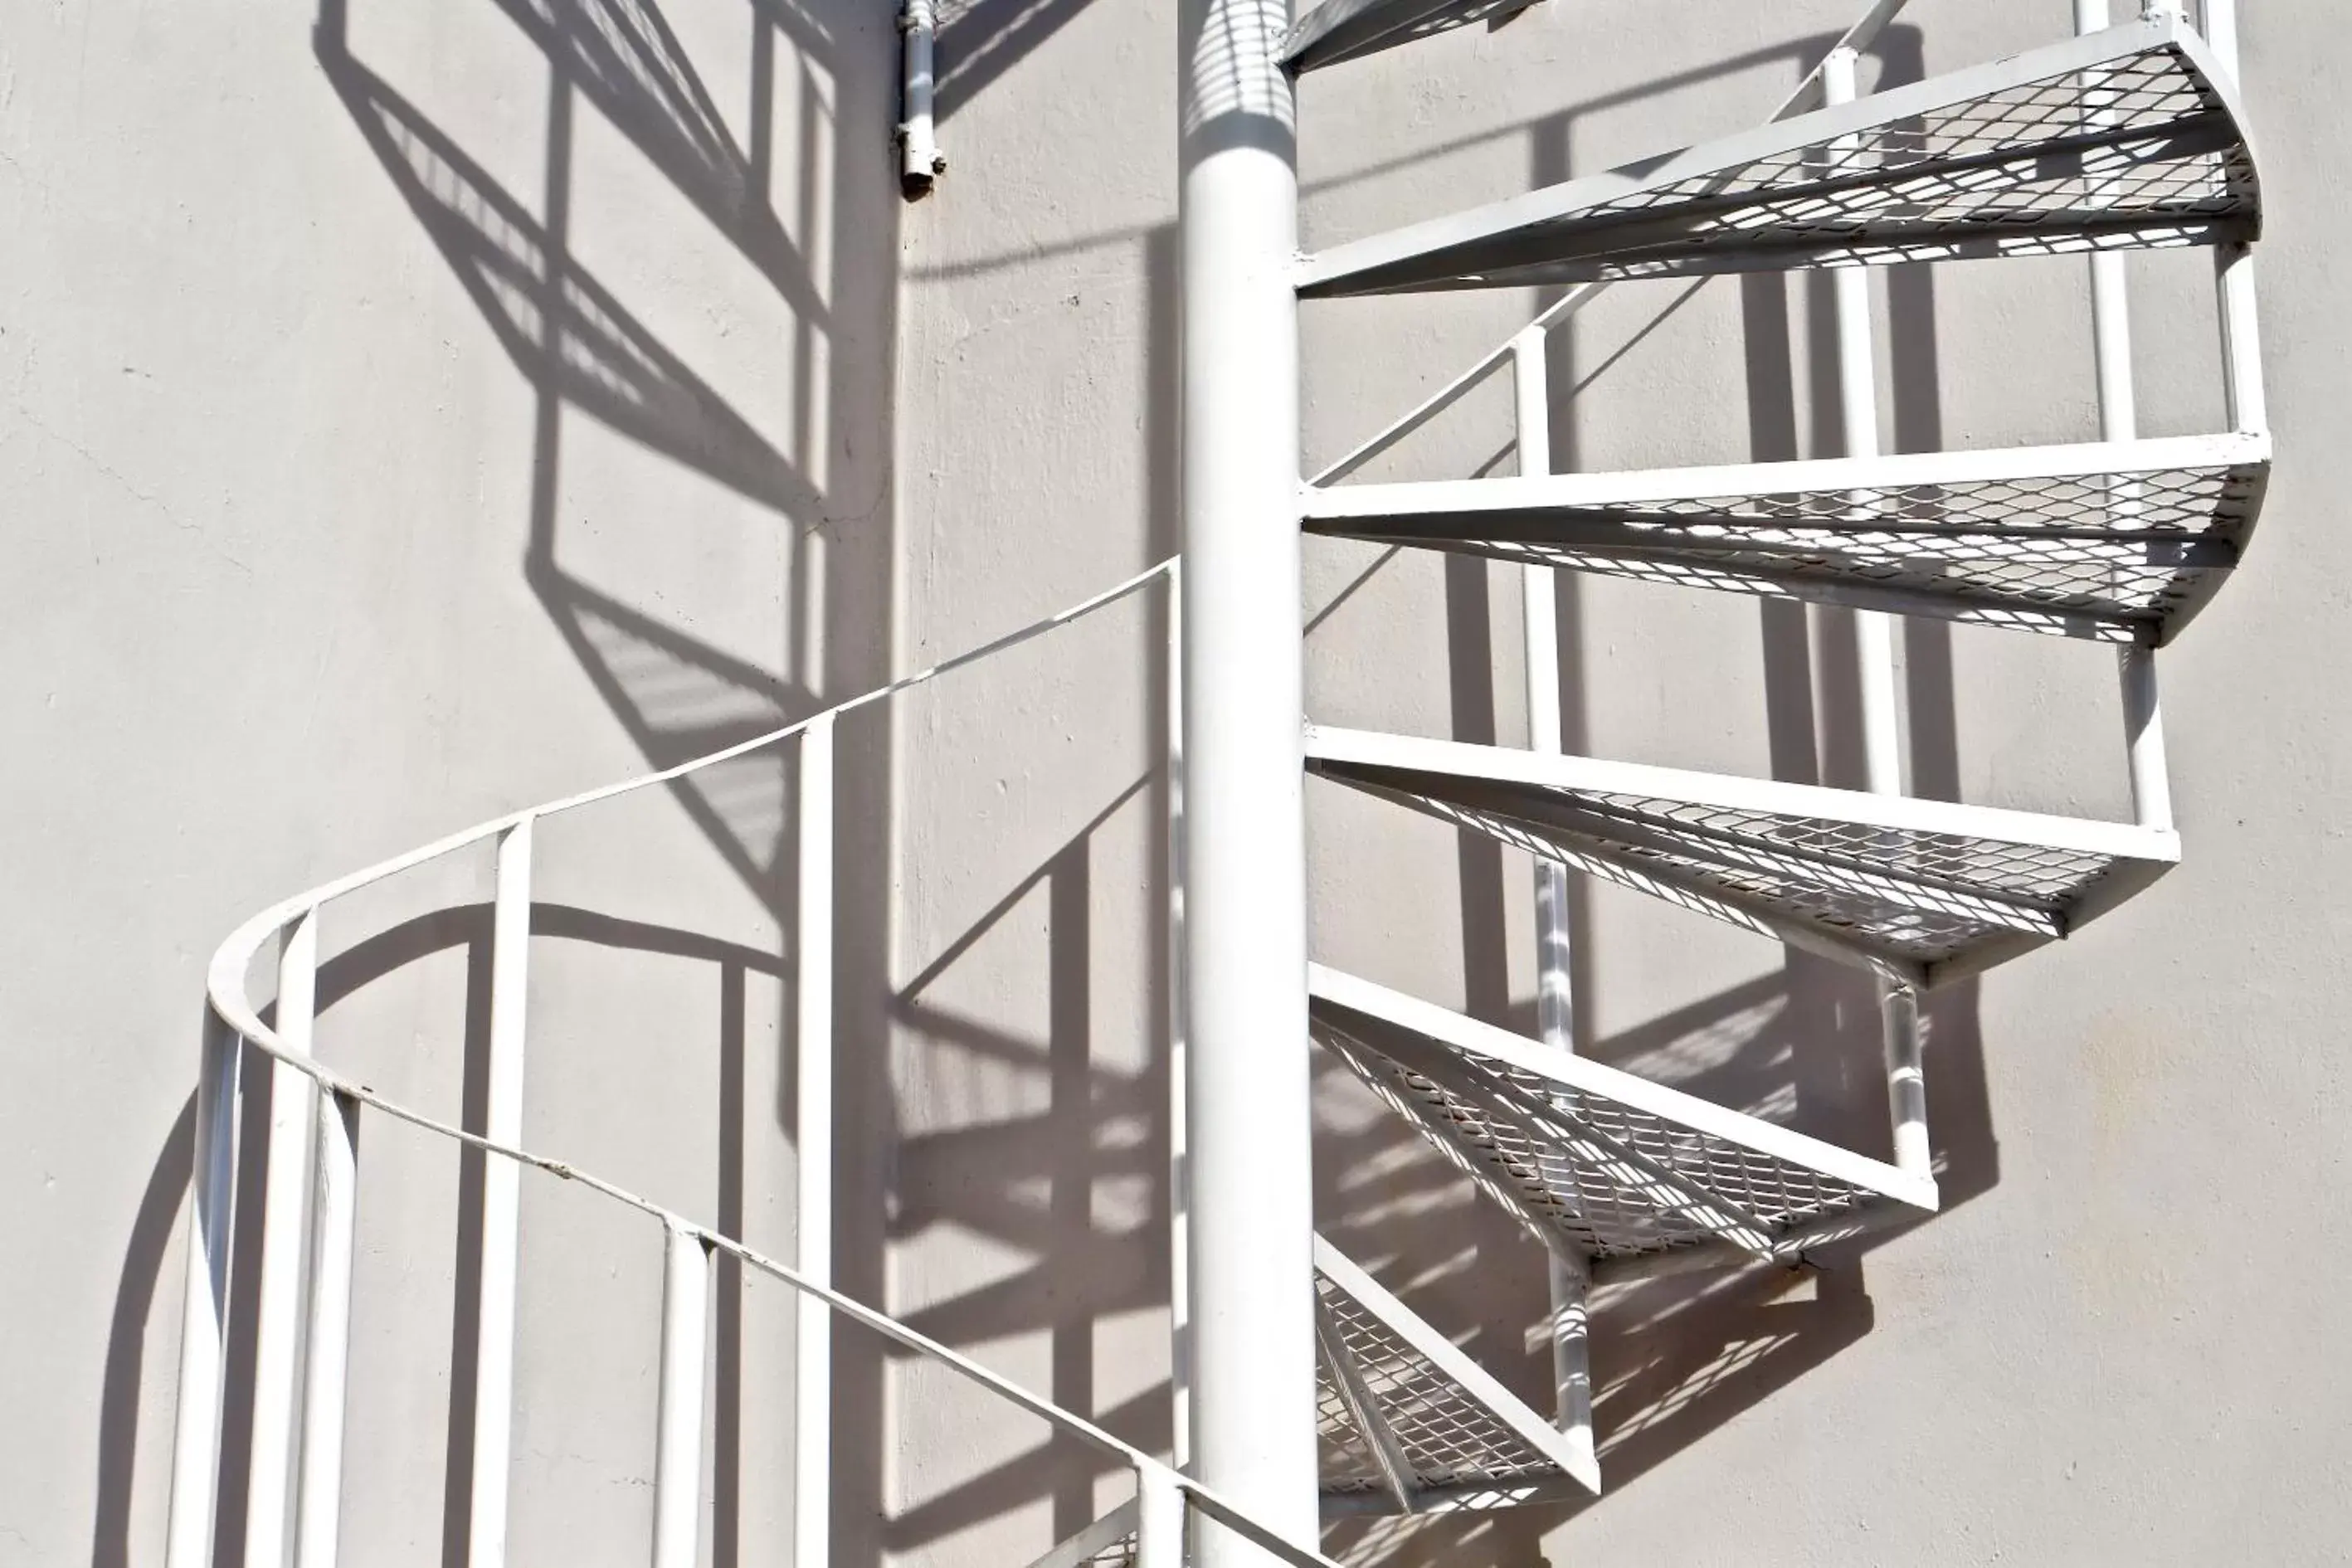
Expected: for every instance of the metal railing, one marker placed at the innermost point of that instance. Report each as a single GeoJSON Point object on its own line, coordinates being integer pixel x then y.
{"type": "Point", "coordinates": [294, 1393]}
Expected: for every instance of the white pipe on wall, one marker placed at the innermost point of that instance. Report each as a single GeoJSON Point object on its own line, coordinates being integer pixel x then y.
{"type": "Point", "coordinates": [2242, 349]}
{"type": "Point", "coordinates": [1251, 1255]}
{"type": "Point", "coordinates": [920, 159]}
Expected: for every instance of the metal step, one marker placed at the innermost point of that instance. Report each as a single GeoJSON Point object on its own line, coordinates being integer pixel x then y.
{"type": "Point", "coordinates": [1922, 891]}
{"type": "Point", "coordinates": [1340, 30]}
{"type": "Point", "coordinates": [2129, 137]}
{"type": "Point", "coordinates": [1410, 1423]}
{"type": "Point", "coordinates": [2120, 541]}
{"type": "Point", "coordinates": [1600, 1165]}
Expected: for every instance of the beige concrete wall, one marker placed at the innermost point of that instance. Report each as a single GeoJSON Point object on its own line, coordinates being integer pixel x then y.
{"type": "Point", "coordinates": [415, 413]}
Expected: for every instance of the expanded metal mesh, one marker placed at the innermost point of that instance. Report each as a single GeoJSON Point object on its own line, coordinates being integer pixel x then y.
{"type": "Point", "coordinates": [1447, 1436]}
{"type": "Point", "coordinates": [1924, 896]}
{"type": "Point", "coordinates": [1516, 1130]}
{"type": "Point", "coordinates": [2125, 551]}
{"type": "Point", "coordinates": [2138, 151]}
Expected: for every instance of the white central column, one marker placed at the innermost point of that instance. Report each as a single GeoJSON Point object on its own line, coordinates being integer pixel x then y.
{"type": "Point", "coordinates": [1252, 1321]}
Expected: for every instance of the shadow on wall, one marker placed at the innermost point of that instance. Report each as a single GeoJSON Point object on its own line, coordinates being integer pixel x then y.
{"type": "Point", "coordinates": [1674, 1360]}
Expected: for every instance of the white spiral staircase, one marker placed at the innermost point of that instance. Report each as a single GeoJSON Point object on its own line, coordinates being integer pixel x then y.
{"type": "Point", "coordinates": [2124, 136]}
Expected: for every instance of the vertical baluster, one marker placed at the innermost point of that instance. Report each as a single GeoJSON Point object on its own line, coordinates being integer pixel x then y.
{"type": "Point", "coordinates": [203, 1317]}
{"type": "Point", "coordinates": [328, 1352]}
{"type": "Point", "coordinates": [501, 1215]}
{"type": "Point", "coordinates": [2111, 351]}
{"type": "Point", "coordinates": [2247, 407]}
{"type": "Point", "coordinates": [678, 1444]}
{"type": "Point", "coordinates": [1874, 652]}
{"type": "Point", "coordinates": [285, 1228]}
{"type": "Point", "coordinates": [1571, 1373]}
{"type": "Point", "coordinates": [1160, 1512]}
{"type": "Point", "coordinates": [1179, 1203]}
{"type": "Point", "coordinates": [813, 1337]}
{"type": "Point", "coordinates": [2242, 349]}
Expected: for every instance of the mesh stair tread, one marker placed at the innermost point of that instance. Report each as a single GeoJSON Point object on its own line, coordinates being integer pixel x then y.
{"type": "Point", "coordinates": [1922, 891]}
{"type": "Point", "coordinates": [2129, 137]}
{"type": "Point", "coordinates": [1597, 1162]}
{"type": "Point", "coordinates": [1458, 1438]}
{"type": "Point", "coordinates": [2121, 541]}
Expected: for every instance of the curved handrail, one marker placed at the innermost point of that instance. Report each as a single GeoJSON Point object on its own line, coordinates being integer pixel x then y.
{"type": "Point", "coordinates": [226, 986]}
{"type": "Point", "coordinates": [225, 978]}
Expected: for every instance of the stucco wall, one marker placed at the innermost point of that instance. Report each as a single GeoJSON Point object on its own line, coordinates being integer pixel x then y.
{"type": "Point", "coordinates": [415, 413]}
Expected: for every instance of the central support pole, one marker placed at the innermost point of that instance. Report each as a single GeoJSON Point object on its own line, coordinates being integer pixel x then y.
{"type": "Point", "coordinates": [1251, 1226]}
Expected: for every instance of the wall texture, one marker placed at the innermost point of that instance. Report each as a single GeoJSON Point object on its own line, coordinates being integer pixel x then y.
{"type": "Point", "coordinates": [415, 411]}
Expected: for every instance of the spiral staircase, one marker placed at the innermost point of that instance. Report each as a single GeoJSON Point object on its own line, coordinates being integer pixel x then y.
{"type": "Point", "coordinates": [2125, 136]}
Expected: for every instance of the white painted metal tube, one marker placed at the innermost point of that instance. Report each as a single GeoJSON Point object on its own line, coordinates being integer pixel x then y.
{"type": "Point", "coordinates": [1907, 1078]}
{"type": "Point", "coordinates": [1571, 1358]}
{"type": "Point", "coordinates": [1874, 648]}
{"type": "Point", "coordinates": [327, 1354]}
{"type": "Point", "coordinates": [2242, 349]}
{"type": "Point", "coordinates": [677, 1441]}
{"type": "Point", "coordinates": [919, 162]}
{"type": "Point", "coordinates": [812, 1087]}
{"type": "Point", "coordinates": [1873, 632]}
{"type": "Point", "coordinates": [1253, 1388]}
{"type": "Point", "coordinates": [2111, 347]}
{"type": "Point", "coordinates": [203, 1311]}
{"type": "Point", "coordinates": [1554, 993]}
{"type": "Point", "coordinates": [1179, 1176]}
{"type": "Point", "coordinates": [1160, 1519]}
{"type": "Point", "coordinates": [2152, 780]}
{"type": "Point", "coordinates": [285, 1230]}
{"type": "Point", "coordinates": [501, 1217]}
